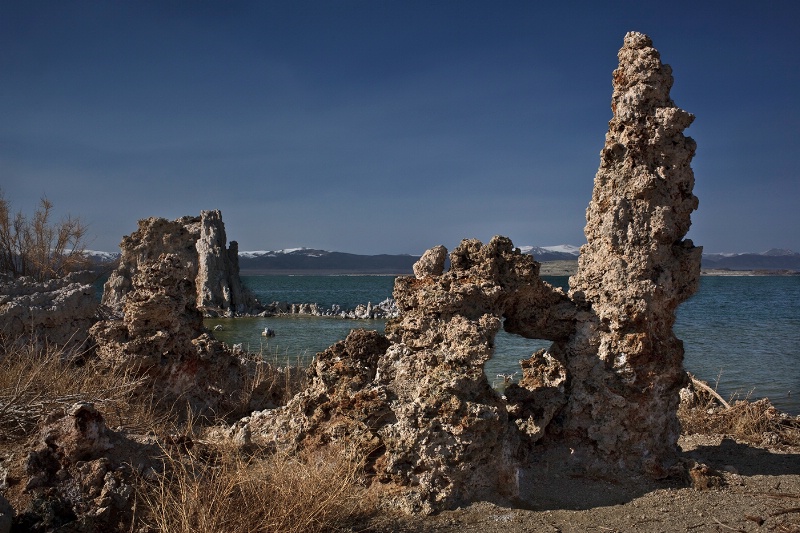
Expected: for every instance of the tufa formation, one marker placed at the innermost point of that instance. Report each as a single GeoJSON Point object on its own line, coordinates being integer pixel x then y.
{"type": "Point", "coordinates": [199, 245]}
{"type": "Point", "coordinates": [602, 398]}
{"type": "Point", "coordinates": [415, 402]}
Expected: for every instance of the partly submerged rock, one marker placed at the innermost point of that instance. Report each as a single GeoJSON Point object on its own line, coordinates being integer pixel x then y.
{"type": "Point", "coordinates": [199, 243]}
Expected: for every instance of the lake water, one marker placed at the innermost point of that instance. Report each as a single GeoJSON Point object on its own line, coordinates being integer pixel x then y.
{"type": "Point", "coordinates": [740, 333]}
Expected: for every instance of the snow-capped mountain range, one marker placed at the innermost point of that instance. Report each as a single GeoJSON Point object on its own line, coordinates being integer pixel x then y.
{"type": "Point", "coordinates": [774, 259]}
{"type": "Point", "coordinates": [307, 260]}
{"type": "Point", "coordinates": [310, 259]}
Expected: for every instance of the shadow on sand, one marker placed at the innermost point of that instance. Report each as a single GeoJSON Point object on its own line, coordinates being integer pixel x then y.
{"type": "Point", "coordinates": [554, 485]}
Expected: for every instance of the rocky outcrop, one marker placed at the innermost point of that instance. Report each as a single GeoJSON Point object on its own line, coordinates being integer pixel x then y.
{"type": "Point", "coordinates": [385, 309]}
{"type": "Point", "coordinates": [58, 311]}
{"type": "Point", "coordinates": [634, 271]}
{"type": "Point", "coordinates": [418, 400]}
{"type": "Point", "coordinates": [161, 335]}
{"type": "Point", "coordinates": [79, 475]}
{"type": "Point", "coordinates": [603, 397]}
{"type": "Point", "coordinates": [199, 243]}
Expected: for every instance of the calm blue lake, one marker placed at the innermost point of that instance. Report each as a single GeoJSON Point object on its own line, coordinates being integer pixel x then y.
{"type": "Point", "coordinates": [741, 333]}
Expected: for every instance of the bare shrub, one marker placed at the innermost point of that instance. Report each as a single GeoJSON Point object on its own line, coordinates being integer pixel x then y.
{"type": "Point", "coordinates": [232, 492]}
{"type": "Point", "coordinates": [40, 247]}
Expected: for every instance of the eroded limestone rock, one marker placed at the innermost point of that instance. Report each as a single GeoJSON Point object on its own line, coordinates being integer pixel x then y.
{"type": "Point", "coordinates": [77, 475]}
{"type": "Point", "coordinates": [603, 397]}
{"type": "Point", "coordinates": [418, 402]}
{"type": "Point", "coordinates": [199, 243]}
{"type": "Point", "coordinates": [625, 361]}
{"type": "Point", "coordinates": [58, 311]}
{"type": "Point", "coordinates": [161, 335]}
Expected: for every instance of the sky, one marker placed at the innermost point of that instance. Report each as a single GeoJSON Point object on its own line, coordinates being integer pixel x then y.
{"type": "Point", "coordinates": [381, 126]}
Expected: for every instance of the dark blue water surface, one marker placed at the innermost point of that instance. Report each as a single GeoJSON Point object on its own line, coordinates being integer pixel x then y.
{"type": "Point", "coordinates": [740, 333]}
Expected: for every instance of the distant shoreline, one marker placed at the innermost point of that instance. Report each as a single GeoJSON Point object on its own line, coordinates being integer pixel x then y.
{"type": "Point", "coordinates": [726, 272]}
{"type": "Point", "coordinates": [549, 268]}
{"type": "Point", "coordinates": [319, 272]}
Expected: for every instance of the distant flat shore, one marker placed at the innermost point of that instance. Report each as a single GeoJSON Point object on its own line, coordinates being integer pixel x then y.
{"type": "Point", "coordinates": [726, 272]}
{"type": "Point", "coordinates": [319, 272]}
{"type": "Point", "coordinates": [549, 268]}
{"type": "Point", "coordinates": [568, 268]}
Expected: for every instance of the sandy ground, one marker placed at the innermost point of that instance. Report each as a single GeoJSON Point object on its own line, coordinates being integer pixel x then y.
{"type": "Point", "coordinates": [760, 492]}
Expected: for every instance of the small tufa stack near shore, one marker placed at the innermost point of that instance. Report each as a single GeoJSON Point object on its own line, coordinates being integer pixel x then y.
{"type": "Point", "coordinates": [604, 397]}
{"type": "Point", "coordinates": [199, 243]}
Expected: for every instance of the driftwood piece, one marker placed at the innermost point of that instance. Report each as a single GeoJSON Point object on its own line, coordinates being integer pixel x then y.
{"type": "Point", "coordinates": [697, 383]}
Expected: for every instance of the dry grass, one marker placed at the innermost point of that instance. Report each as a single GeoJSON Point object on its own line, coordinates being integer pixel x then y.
{"type": "Point", "coordinates": [36, 379]}
{"type": "Point", "coordinates": [276, 384]}
{"type": "Point", "coordinates": [204, 488]}
{"type": "Point", "coordinates": [756, 422]}
{"type": "Point", "coordinates": [226, 490]}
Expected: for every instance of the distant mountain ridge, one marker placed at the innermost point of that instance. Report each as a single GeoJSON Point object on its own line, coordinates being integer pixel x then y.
{"type": "Point", "coordinates": [774, 259]}
{"type": "Point", "coordinates": [308, 260]}
{"type": "Point", "coordinates": [544, 254]}
{"type": "Point", "coordinates": [311, 260]}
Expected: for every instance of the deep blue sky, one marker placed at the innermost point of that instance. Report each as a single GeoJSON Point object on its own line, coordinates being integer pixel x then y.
{"type": "Point", "coordinates": [386, 126]}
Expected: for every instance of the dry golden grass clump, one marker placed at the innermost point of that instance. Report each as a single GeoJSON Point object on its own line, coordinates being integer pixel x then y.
{"type": "Point", "coordinates": [36, 379]}
{"type": "Point", "coordinates": [207, 485]}
{"type": "Point", "coordinates": [222, 489]}
{"type": "Point", "coordinates": [756, 422]}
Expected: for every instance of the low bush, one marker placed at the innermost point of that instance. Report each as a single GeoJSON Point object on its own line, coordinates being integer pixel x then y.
{"type": "Point", "coordinates": [223, 489]}
{"type": "Point", "coordinates": [756, 422]}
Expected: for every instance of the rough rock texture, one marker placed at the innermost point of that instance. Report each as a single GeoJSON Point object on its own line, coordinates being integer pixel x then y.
{"type": "Point", "coordinates": [418, 401]}
{"type": "Point", "coordinates": [161, 335]}
{"type": "Point", "coordinates": [385, 309]}
{"type": "Point", "coordinates": [603, 397]}
{"type": "Point", "coordinates": [431, 263]}
{"type": "Point", "coordinates": [626, 363]}
{"type": "Point", "coordinates": [78, 474]}
{"type": "Point", "coordinates": [58, 311]}
{"type": "Point", "coordinates": [199, 244]}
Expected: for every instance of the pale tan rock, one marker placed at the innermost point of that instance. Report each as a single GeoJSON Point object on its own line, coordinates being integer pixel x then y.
{"type": "Point", "coordinates": [419, 402]}
{"type": "Point", "coordinates": [603, 397]}
{"type": "Point", "coordinates": [58, 311]}
{"type": "Point", "coordinates": [199, 243]}
{"type": "Point", "coordinates": [161, 335]}
{"type": "Point", "coordinates": [625, 361]}
{"type": "Point", "coordinates": [431, 263]}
